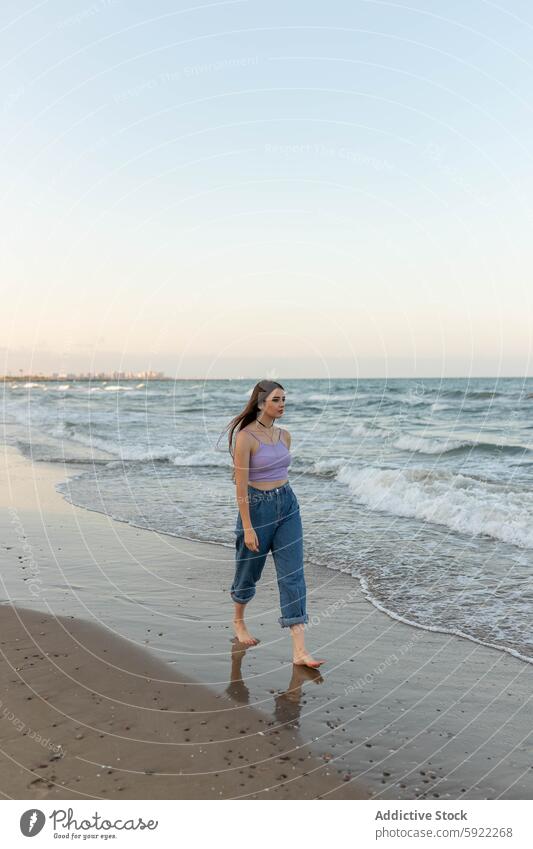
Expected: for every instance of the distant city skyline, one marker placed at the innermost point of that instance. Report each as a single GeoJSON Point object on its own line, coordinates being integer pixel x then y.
{"type": "Point", "coordinates": [101, 375]}
{"type": "Point", "coordinates": [217, 191]}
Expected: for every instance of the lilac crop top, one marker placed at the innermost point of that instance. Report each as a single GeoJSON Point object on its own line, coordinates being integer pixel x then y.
{"type": "Point", "coordinates": [270, 462]}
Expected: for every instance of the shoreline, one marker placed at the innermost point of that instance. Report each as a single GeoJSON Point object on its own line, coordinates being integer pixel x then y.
{"type": "Point", "coordinates": [76, 474]}
{"type": "Point", "coordinates": [416, 715]}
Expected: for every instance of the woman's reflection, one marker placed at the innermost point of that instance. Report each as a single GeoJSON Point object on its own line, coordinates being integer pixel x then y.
{"type": "Point", "coordinates": [288, 704]}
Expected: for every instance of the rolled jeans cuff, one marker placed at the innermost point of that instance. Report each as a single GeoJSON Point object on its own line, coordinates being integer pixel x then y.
{"type": "Point", "coordinates": [286, 621]}
{"type": "Point", "coordinates": [241, 600]}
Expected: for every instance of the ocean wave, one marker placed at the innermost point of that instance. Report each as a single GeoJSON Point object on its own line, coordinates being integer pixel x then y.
{"type": "Point", "coordinates": [424, 445]}
{"type": "Point", "coordinates": [100, 438]}
{"type": "Point", "coordinates": [46, 453]}
{"type": "Point", "coordinates": [202, 458]}
{"type": "Point", "coordinates": [462, 503]}
{"type": "Point", "coordinates": [471, 393]}
{"type": "Point", "coordinates": [438, 405]}
{"type": "Point", "coordinates": [73, 461]}
{"type": "Point", "coordinates": [317, 396]}
{"type": "Point", "coordinates": [142, 453]}
{"type": "Point", "coordinates": [326, 468]}
{"type": "Point", "coordinates": [413, 399]}
{"type": "Point", "coordinates": [88, 437]}
{"type": "Point", "coordinates": [362, 429]}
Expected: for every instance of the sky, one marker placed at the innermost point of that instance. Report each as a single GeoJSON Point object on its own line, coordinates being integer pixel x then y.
{"type": "Point", "coordinates": [249, 189]}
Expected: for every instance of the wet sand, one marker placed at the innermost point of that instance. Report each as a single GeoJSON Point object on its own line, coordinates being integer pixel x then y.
{"type": "Point", "coordinates": [126, 661]}
{"type": "Point", "coordinates": [87, 715]}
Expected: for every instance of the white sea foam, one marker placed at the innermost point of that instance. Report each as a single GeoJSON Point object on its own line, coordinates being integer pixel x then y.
{"type": "Point", "coordinates": [317, 396]}
{"type": "Point", "coordinates": [327, 467]}
{"type": "Point", "coordinates": [361, 429]}
{"type": "Point", "coordinates": [422, 445]}
{"type": "Point", "coordinates": [412, 398]}
{"type": "Point", "coordinates": [202, 458]}
{"type": "Point", "coordinates": [126, 450]}
{"type": "Point", "coordinates": [461, 503]}
{"type": "Point", "coordinates": [143, 454]}
{"type": "Point", "coordinates": [441, 445]}
{"type": "Point", "coordinates": [438, 405]}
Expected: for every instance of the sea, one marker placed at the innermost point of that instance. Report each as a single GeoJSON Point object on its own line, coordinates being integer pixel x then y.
{"type": "Point", "coordinates": [421, 490]}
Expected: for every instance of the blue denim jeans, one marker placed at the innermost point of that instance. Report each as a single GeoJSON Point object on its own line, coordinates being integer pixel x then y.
{"type": "Point", "coordinates": [275, 516]}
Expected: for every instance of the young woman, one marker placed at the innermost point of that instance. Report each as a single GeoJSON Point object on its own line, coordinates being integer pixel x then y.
{"type": "Point", "coordinates": [269, 516]}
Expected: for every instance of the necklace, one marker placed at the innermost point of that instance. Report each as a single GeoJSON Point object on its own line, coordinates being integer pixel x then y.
{"type": "Point", "coordinates": [271, 435]}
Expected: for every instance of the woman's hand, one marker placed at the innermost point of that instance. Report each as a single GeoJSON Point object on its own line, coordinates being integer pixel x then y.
{"type": "Point", "coordinates": [250, 540]}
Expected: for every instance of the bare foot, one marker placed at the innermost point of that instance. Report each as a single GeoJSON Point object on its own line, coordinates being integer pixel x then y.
{"type": "Point", "coordinates": [242, 633]}
{"type": "Point", "coordinates": [306, 659]}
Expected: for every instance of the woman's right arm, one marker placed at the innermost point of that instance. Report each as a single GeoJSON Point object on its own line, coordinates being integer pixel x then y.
{"type": "Point", "coordinates": [242, 468]}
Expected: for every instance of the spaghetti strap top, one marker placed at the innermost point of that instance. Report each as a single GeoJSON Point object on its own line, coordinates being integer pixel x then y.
{"type": "Point", "coordinates": [269, 463]}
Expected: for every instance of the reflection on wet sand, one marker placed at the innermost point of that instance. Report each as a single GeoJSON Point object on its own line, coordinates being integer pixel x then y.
{"type": "Point", "coordinates": [288, 703]}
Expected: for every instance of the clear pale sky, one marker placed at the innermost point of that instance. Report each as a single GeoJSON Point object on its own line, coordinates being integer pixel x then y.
{"type": "Point", "coordinates": [305, 189]}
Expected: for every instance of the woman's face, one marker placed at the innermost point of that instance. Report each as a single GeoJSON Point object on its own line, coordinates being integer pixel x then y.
{"type": "Point", "coordinates": [274, 404]}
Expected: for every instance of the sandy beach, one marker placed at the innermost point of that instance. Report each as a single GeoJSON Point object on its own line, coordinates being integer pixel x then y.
{"type": "Point", "coordinates": [86, 715]}
{"type": "Point", "coordinates": [121, 680]}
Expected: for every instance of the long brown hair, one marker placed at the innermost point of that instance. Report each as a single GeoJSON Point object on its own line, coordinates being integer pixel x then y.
{"type": "Point", "coordinates": [260, 391]}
